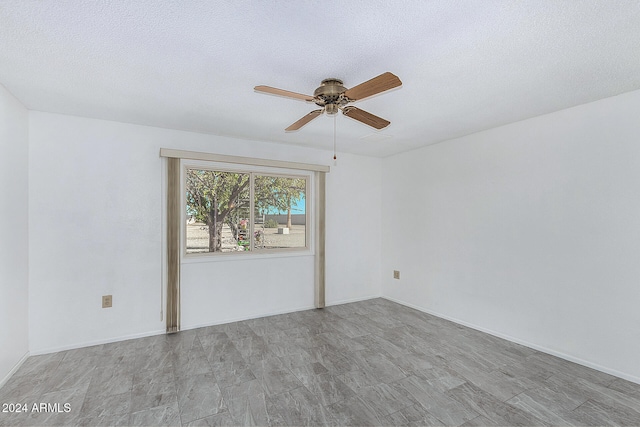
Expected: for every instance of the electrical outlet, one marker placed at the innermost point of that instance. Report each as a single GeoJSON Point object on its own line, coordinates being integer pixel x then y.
{"type": "Point", "coordinates": [107, 301]}
{"type": "Point", "coordinates": [396, 274]}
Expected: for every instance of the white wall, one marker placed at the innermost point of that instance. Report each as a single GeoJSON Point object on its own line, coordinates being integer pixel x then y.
{"type": "Point", "coordinates": [14, 265]}
{"type": "Point", "coordinates": [530, 231]}
{"type": "Point", "coordinates": [95, 222]}
{"type": "Point", "coordinates": [354, 235]}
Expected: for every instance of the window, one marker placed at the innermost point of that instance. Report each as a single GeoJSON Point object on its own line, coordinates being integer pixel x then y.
{"type": "Point", "coordinates": [241, 211]}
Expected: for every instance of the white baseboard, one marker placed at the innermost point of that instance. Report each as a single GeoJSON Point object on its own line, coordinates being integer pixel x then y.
{"type": "Point", "coordinates": [347, 301]}
{"type": "Point", "coordinates": [242, 318]}
{"type": "Point", "coordinates": [546, 350]}
{"type": "Point", "coordinates": [97, 342]}
{"type": "Point", "coordinates": [14, 369]}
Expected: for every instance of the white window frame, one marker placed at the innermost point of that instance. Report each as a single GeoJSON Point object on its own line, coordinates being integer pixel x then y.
{"type": "Point", "coordinates": [252, 170]}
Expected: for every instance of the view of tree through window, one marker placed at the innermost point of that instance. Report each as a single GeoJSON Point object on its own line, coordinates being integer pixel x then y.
{"type": "Point", "coordinates": [219, 215]}
{"type": "Point", "coordinates": [281, 214]}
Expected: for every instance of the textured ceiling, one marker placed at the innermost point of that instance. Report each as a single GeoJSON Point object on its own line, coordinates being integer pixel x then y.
{"type": "Point", "coordinates": [466, 65]}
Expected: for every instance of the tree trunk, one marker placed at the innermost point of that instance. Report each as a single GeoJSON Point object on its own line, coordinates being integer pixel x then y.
{"type": "Point", "coordinates": [289, 217]}
{"type": "Point", "coordinates": [214, 221]}
{"type": "Point", "coordinates": [215, 236]}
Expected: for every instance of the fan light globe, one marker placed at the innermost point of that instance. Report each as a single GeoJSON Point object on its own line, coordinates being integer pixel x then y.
{"type": "Point", "coordinates": [331, 109]}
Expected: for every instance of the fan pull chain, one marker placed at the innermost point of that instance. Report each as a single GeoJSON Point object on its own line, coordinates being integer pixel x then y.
{"type": "Point", "coordinates": [335, 159]}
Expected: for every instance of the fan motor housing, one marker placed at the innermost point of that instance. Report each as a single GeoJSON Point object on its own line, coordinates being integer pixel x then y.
{"type": "Point", "coordinates": [329, 95]}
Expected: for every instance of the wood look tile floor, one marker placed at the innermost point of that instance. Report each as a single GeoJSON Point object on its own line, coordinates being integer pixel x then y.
{"type": "Point", "coordinates": [362, 364]}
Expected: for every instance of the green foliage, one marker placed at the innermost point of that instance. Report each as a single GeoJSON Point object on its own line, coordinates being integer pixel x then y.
{"type": "Point", "coordinates": [278, 192]}
{"type": "Point", "coordinates": [219, 192]}
{"type": "Point", "coordinates": [211, 195]}
{"type": "Point", "coordinates": [271, 223]}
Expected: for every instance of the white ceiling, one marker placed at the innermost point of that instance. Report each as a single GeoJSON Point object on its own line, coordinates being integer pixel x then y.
{"type": "Point", "coordinates": [466, 65]}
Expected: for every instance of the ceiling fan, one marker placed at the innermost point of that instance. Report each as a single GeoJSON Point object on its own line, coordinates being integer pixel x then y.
{"type": "Point", "coordinates": [333, 96]}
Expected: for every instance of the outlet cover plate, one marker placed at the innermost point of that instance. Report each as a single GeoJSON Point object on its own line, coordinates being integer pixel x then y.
{"type": "Point", "coordinates": [396, 274]}
{"type": "Point", "coordinates": [107, 301]}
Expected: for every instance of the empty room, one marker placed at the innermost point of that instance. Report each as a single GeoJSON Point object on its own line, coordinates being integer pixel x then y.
{"type": "Point", "coordinates": [323, 213]}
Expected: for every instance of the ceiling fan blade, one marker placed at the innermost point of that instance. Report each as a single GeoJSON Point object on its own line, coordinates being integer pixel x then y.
{"type": "Point", "coordinates": [281, 92]}
{"type": "Point", "coordinates": [304, 120]}
{"type": "Point", "coordinates": [383, 82]}
{"type": "Point", "coordinates": [365, 117]}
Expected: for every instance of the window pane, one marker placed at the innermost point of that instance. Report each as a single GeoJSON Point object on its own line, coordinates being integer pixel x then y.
{"type": "Point", "coordinates": [217, 206]}
{"type": "Point", "coordinates": [281, 212]}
